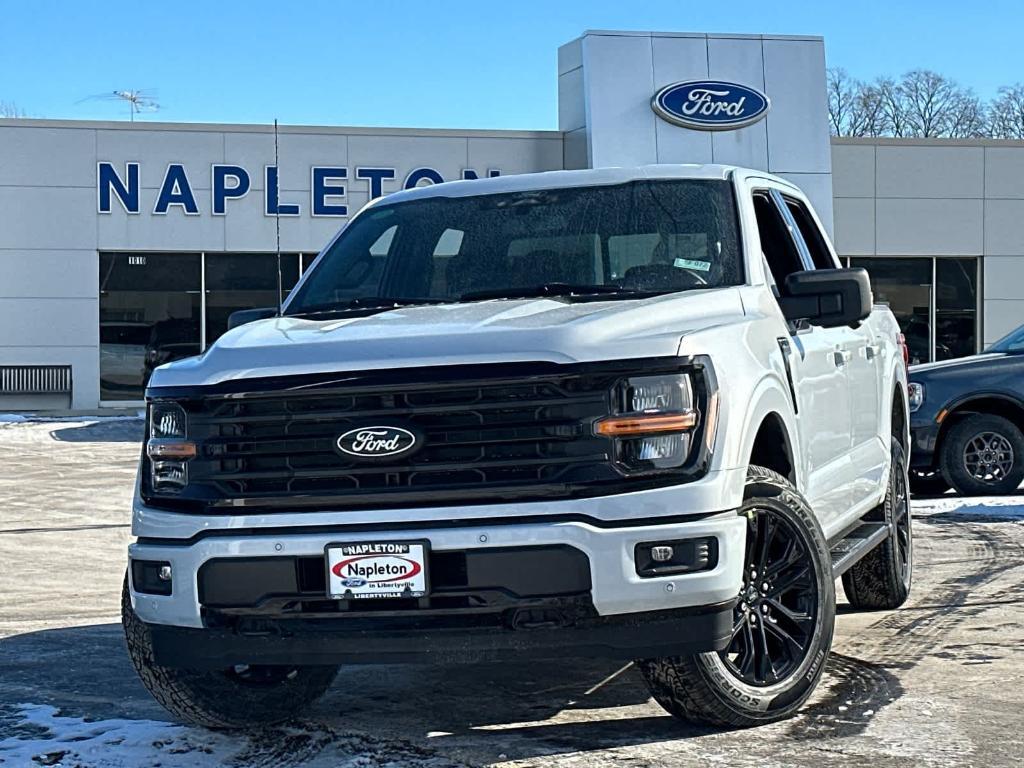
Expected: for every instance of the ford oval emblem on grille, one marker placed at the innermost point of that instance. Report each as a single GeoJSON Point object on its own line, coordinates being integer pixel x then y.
{"type": "Point", "coordinates": [710, 105]}
{"type": "Point", "coordinates": [378, 442]}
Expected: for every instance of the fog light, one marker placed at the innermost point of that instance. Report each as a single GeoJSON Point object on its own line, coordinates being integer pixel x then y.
{"type": "Point", "coordinates": [151, 577]}
{"type": "Point", "coordinates": [662, 554]}
{"type": "Point", "coordinates": [667, 558]}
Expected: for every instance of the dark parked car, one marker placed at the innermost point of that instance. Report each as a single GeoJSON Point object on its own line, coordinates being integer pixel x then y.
{"type": "Point", "coordinates": [967, 419]}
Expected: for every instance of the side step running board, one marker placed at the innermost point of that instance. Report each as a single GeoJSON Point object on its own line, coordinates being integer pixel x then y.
{"type": "Point", "coordinates": [861, 540]}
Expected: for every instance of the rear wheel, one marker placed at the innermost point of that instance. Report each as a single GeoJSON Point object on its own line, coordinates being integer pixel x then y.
{"type": "Point", "coordinates": [984, 454]}
{"type": "Point", "coordinates": [240, 697]}
{"type": "Point", "coordinates": [782, 624]}
{"type": "Point", "coordinates": [881, 579]}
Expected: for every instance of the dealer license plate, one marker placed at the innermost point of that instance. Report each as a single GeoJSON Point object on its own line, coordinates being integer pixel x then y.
{"type": "Point", "coordinates": [385, 569]}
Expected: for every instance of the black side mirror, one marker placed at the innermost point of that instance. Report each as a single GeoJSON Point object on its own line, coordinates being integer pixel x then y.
{"type": "Point", "coordinates": [243, 316]}
{"type": "Point", "coordinates": [827, 297]}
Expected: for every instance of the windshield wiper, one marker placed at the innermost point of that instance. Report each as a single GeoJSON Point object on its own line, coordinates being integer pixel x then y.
{"type": "Point", "coordinates": [554, 289]}
{"type": "Point", "coordinates": [363, 302]}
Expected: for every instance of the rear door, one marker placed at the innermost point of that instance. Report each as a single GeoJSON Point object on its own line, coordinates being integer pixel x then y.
{"type": "Point", "coordinates": [821, 386]}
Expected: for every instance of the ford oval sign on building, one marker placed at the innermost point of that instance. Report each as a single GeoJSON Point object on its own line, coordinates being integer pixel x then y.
{"type": "Point", "coordinates": [710, 105]}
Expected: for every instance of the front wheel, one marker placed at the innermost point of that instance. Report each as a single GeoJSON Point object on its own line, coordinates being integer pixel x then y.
{"type": "Point", "coordinates": [984, 454]}
{"type": "Point", "coordinates": [239, 697]}
{"type": "Point", "coordinates": [782, 624]}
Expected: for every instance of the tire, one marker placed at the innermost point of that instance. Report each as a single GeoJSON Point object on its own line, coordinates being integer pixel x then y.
{"type": "Point", "coordinates": [712, 688]}
{"type": "Point", "coordinates": [228, 699]}
{"type": "Point", "coordinates": [984, 454]}
{"type": "Point", "coordinates": [928, 483]}
{"type": "Point", "coordinates": [881, 579]}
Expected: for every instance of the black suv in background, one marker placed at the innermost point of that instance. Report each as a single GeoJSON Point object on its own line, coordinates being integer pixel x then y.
{"type": "Point", "coordinates": [967, 420]}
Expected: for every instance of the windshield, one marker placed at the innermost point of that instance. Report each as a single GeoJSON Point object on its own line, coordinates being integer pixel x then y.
{"type": "Point", "coordinates": [1012, 342]}
{"type": "Point", "coordinates": [612, 242]}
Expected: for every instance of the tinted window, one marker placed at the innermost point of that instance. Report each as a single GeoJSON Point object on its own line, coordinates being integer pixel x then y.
{"type": "Point", "coordinates": [777, 246]}
{"type": "Point", "coordinates": [660, 236]}
{"type": "Point", "coordinates": [813, 238]}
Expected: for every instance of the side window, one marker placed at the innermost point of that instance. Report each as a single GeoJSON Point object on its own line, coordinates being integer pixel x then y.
{"type": "Point", "coordinates": [777, 246]}
{"type": "Point", "coordinates": [813, 238]}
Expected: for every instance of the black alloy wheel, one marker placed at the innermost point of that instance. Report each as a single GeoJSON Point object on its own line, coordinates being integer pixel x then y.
{"type": "Point", "coordinates": [776, 614]}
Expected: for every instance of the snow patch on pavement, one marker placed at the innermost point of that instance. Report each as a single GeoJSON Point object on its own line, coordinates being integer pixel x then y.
{"type": "Point", "coordinates": [984, 507]}
{"type": "Point", "coordinates": [37, 735]}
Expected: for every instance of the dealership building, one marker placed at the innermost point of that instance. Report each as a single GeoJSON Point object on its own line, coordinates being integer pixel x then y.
{"type": "Point", "coordinates": [123, 245]}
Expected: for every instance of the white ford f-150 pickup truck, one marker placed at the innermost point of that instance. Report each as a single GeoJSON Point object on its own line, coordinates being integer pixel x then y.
{"type": "Point", "coordinates": [622, 413]}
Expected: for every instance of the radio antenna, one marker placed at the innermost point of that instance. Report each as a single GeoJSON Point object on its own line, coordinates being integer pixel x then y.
{"type": "Point", "coordinates": [277, 222]}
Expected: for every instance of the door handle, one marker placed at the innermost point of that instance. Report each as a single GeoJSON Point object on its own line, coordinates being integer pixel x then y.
{"type": "Point", "coordinates": [871, 351]}
{"type": "Point", "coordinates": [841, 357]}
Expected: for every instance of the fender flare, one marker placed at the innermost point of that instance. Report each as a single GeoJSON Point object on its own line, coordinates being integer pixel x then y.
{"type": "Point", "coordinates": [771, 396]}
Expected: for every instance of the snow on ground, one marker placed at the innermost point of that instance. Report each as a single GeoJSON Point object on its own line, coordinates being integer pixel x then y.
{"type": "Point", "coordinates": [992, 508]}
{"type": "Point", "coordinates": [42, 737]}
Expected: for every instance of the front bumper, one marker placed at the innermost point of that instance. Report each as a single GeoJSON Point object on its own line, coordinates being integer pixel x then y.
{"type": "Point", "coordinates": [616, 586]}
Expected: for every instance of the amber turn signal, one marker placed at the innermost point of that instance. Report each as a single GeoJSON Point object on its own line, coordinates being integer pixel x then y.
{"type": "Point", "coordinates": [619, 426]}
{"type": "Point", "coordinates": [174, 450]}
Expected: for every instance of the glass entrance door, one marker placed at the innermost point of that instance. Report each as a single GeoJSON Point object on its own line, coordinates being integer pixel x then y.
{"type": "Point", "coordinates": [935, 300]}
{"type": "Point", "coordinates": [149, 314]}
{"type": "Point", "coordinates": [243, 281]}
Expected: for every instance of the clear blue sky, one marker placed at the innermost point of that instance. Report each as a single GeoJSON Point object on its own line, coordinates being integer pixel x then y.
{"type": "Point", "coordinates": [434, 63]}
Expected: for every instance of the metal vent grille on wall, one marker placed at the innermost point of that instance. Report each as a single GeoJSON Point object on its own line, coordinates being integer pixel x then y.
{"type": "Point", "coordinates": [35, 379]}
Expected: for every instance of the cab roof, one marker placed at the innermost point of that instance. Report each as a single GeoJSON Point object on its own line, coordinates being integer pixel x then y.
{"type": "Point", "coordinates": [525, 182]}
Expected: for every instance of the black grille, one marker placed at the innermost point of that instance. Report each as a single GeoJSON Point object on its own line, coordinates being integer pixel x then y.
{"type": "Point", "coordinates": [489, 434]}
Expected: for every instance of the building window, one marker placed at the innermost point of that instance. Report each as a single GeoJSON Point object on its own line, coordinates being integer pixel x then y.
{"type": "Point", "coordinates": [935, 300]}
{"type": "Point", "coordinates": [153, 308]}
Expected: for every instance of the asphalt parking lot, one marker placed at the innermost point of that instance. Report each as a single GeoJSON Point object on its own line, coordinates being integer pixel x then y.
{"type": "Point", "coordinates": [940, 682]}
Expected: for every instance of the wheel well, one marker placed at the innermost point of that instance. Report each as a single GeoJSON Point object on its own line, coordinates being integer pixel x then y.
{"type": "Point", "coordinates": [772, 449]}
{"type": "Point", "coordinates": [899, 419]}
{"type": "Point", "coordinates": [996, 406]}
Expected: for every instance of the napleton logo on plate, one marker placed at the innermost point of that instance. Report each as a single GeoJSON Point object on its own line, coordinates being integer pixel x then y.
{"type": "Point", "coordinates": [377, 442]}
{"type": "Point", "coordinates": [710, 105]}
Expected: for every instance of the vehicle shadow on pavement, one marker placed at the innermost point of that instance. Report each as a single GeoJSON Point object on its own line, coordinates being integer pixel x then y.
{"type": "Point", "coordinates": [491, 712]}
{"type": "Point", "coordinates": [104, 431]}
{"type": "Point", "coordinates": [85, 673]}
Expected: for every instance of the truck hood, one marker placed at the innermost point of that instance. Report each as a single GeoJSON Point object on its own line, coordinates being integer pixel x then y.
{"type": "Point", "coordinates": [495, 331]}
{"type": "Point", "coordinates": [957, 363]}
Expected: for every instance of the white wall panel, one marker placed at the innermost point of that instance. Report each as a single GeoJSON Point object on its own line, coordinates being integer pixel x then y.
{"type": "Point", "coordinates": [930, 172]}
{"type": "Point", "coordinates": [854, 226]}
{"type": "Point", "coordinates": [853, 170]}
{"type": "Point", "coordinates": [47, 156]}
{"type": "Point", "coordinates": [50, 274]}
{"type": "Point", "coordinates": [739, 60]}
{"type": "Point", "coordinates": [1001, 317]}
{"type": "Point", "coordinates": [619, 84]}
{"type": "Point", "coordinates": [53, 218]}
{"type": "Point", "coordinates": [796, 124]}
{"type": "Point", "coordinates": [1004, 227]}
{"type": "Point", "coordinates": [1004, 278]}
{"type": "Point", "coordinates": [572, 106]}
{"type": "Point", "coordinates": [173, 231]}
{"type": "Point", "coordinates": [907, 227]}
{"type": "Point", "coordinates": [514, 155]}
{"type": "Point", "coordinates": [1004, 172]}
{"type": "Point", "coordinates": [35, 322]}
{"type": "Point", "coordinates": [676, 59]}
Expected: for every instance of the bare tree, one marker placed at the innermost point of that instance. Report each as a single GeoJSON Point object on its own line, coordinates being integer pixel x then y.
{"type": "Point", "coordinates": [10, 109]}
{"type": "Point", "coordinates": [893, 111]}
{"type": "Point", "coordinates": [854, 108]}
{"type": "Point", "coordinates": [1006, 113]}
{"type": "Point", "coordinates": [936, 106]}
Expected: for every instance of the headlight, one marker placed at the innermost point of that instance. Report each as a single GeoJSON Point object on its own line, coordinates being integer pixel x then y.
{"type": "Point", "coordinates": [168, 447]}
{"type": "Point", "coordinates": [654, 422]}
{"type": "Point", "coordinates": [915, 395]}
